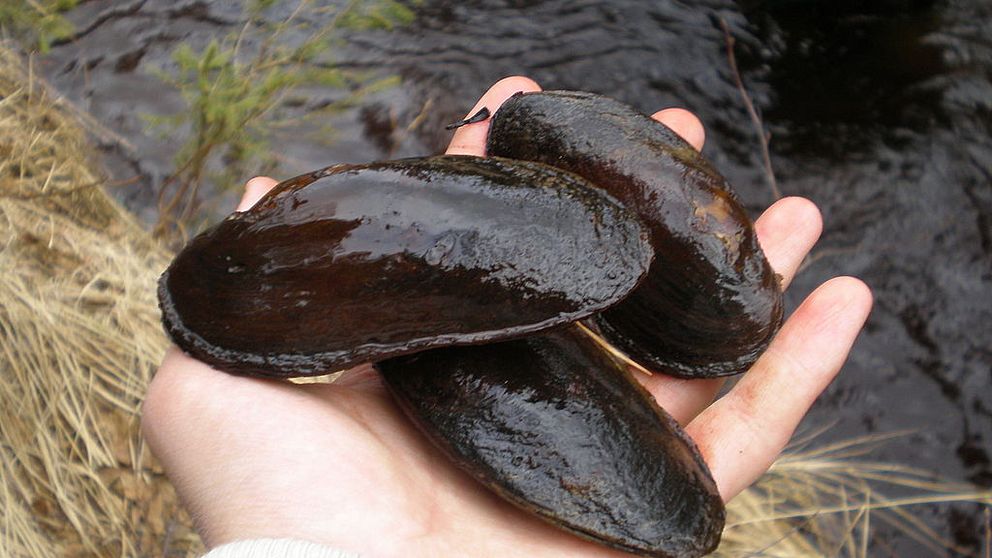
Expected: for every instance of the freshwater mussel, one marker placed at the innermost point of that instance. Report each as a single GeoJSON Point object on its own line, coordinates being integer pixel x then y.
{"type": "Point", "coordinates": [556, 426]}
{"type": "Point", "coordinates": [459, 277]}
{"type": "Point", "coordinates": [711, 302]}
{"type": "Point", "coordinates": [357, 263]}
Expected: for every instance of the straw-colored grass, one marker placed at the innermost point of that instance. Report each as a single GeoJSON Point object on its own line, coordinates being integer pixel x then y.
{"type": "Point", "coordinates": [80, 337]}
{"type": "Point", "coordinates": [825, 501]}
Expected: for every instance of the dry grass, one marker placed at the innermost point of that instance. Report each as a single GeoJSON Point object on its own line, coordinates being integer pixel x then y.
{"type": "Point", "coordinates": [80, 336]}
{"type": "Point", "coordinates": [825, 502]}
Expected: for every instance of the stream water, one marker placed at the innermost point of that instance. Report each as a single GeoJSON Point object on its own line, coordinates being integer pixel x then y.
{"type": "Point", "coordinates": [880, 112]}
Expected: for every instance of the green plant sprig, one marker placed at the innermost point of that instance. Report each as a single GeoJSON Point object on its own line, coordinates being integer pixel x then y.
{"type": "Point", "coordinates": [231, 102]}
{"type": "Point", "coordinates": [38, 22]}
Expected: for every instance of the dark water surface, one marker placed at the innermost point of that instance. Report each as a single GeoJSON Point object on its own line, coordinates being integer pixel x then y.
{"type": "Point", "coordinates": [880, 114]}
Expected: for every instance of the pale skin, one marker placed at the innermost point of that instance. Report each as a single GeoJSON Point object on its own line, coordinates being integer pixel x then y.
{"type": "Point", "coordinates": [340, 465]}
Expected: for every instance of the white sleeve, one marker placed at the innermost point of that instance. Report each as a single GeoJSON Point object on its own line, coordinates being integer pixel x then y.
{"type": "Point", "coordinates": [276, 548]}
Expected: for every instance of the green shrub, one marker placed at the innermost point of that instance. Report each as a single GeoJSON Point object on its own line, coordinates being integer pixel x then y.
{"type": "Point", "coordinates": [232, 98]}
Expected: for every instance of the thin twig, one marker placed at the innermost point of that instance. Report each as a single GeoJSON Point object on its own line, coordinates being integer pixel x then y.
{"type": "Point", "coordinates": [755, 119]}
{"type": "Point", "coordinates": [988, 532]}
{"type": "Point", "coordinates": [419, 119]}
{"type": "Point", "coordinates": [400, 135]}
{"type": "Point", "coordinates": [813, 257]}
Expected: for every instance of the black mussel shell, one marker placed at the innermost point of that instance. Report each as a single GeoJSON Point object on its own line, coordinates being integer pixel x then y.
{"type": "Point", "coordinates": [711, 302]}
{"type": "Point", "coordinates": [357, 263]}
{"type": "Point", "coordinates": [556, 427]}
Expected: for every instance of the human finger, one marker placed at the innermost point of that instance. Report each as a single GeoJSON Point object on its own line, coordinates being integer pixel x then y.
{"type": "Point", "coordinates": [683, 123]}
{"type": "Point", "coordinates": [471, 138]}
{"type": "Point", "coordinates": [177, 367]}
{"type": "Point", "coordinates": [742, 433]}
{"type": "Point", "coordinates": [787, 232]}
{"type": "Point", "coordinates": [254, 190]}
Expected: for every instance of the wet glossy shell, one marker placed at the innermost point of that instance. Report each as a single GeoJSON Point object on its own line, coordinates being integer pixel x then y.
{"type": "Point", "coordinates": [359, 263]}
{"type": "Point", "coordinates": [553, 425]}
{"type": "Point", "coordinates": [711, 302]}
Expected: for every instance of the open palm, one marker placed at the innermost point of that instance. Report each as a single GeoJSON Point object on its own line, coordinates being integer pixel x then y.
{"type": "Point", "coordinates": [339, 464]}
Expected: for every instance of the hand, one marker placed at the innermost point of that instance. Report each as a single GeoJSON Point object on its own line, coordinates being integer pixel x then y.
{"type": "Point", "coordinates": [340, 465]}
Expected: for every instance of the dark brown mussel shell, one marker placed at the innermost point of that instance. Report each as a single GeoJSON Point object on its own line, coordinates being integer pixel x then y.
{"type": "Point", "coordinates": [357, 263]}
{"type": "Point", "coordinates": [711, 303]}
{"type": "Point", "coordinates": [556, 427]}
